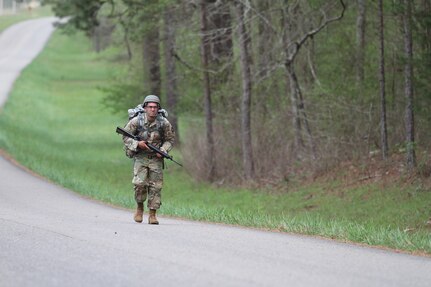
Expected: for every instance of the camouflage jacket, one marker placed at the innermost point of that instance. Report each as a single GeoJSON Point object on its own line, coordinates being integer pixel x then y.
{"type": "Point", "coordinates": [159, 133]}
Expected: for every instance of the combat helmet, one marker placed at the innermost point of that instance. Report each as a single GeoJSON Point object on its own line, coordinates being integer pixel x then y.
{"type": "Point", "coordinates": [151, 99]}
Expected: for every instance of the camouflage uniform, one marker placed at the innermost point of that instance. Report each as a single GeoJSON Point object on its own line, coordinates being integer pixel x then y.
{"type": "Point", "coordinates": [148, 168]}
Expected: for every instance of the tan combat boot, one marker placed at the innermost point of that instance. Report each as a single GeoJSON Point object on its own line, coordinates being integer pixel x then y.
{"type": "Point", "coordinates": [152, 219]}
{"type": "Point", "coordinates": [139, 213]}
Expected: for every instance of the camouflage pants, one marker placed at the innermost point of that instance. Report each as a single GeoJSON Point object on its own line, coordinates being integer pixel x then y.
{"type": "Point", "coordinates": [148, 181]}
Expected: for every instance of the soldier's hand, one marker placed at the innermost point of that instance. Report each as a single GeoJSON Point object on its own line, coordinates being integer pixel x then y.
{"type": "Point", "coordinates": [143, 145]}
{"type": "Point", "coordinates": [159, 155]}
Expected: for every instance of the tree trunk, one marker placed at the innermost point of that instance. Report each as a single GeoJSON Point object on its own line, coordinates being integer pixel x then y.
{"type": "Point", "coordinates": [97, 40]}
{"type": "Point", "coordinates": [171, 76]}
{"type": "Point", "coordinates": [360, 43]}
{"type": "Point", "coordinates": [207, 92]}
{"type": "Point", "coordinates": [267, 89]}
{"type": "Point", "coordinates": [408, 82]}
{"type": "Point", "coordinates": [220, 23]}
{"type": "Point", "coordinates": [291, 50]}
{"type": "Point", "coordinates": [425, 8]}
{"type": "Point", "coordinates": [151, 58]}
{"type": "Point", "coordinates": [304, 117]}
{"type": "Point", "coordinates": [298, 107]}
{"type": "Point", "coordinates": [244, 42]}
{"type": "Point", "coordinates": [382, 80]}
{"type": "Point", "coordinates": [310, 59]}
{"type": "Point", "coordinates": [221, 47]}
{"type": "Point", "coordinates": [293, 82]}
{"type": "Point", "coordinates": [126, 39]}
{"type": "Point", "coordinates": [265, 39]}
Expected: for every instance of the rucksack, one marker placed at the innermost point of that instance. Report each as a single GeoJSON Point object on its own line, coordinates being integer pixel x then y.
{"type": "Point", "coordinates": [140, 109]}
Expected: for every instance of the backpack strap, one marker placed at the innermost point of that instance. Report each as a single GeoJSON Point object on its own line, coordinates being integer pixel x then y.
{"type": "Point", "coordinates": [160, 127]}
{"type": "Point", "coordinates": [140, 122]}
{"type": "Point", "coordinates": [141, 126]}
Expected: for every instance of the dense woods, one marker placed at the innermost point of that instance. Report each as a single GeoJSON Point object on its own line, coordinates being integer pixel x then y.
{"type": "Point", "coordinates": [266, 90]}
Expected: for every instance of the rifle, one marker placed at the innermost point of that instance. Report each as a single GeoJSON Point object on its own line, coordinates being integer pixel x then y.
{"type": "Point", "coordinates": [152, 147]}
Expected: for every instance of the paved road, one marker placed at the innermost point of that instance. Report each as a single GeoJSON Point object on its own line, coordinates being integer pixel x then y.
{"type": "Point", "coordinates": [50, 236]}
{"type": "Point", "coordinates": [19, 45]}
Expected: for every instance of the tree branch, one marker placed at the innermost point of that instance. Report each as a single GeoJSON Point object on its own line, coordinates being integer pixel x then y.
{"type": "Point", "coordinates": [313, 32]}
{"type": "Point", "coordinates": [176, 56]}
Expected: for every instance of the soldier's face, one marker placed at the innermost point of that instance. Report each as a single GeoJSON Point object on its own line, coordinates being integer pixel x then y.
{"type": "Point", "coordinates": [151, 110]}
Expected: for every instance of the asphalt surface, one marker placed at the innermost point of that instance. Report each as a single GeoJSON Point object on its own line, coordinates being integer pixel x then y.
{"type": "Point", "coordinates": [19, 45]}
{"type": "Point", "coordinates": [49, 236]}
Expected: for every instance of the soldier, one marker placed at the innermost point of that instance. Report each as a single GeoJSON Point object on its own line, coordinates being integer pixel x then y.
{"type": "Point", "coordinates": [148, 167]}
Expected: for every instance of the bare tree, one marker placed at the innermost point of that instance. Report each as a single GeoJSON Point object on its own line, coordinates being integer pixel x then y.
{"type": "Point", "coordinates": [244, 43]}
{"type": "Point", "coordinates": [408, 84]}
{"type": "Point", "coordinates": [205, 44]}
{"type": "Point", "coordinates": [292, 48]}
{"type": "Point", "coordinates": [220, 25]}
{"type": "Point", "coordinates": [265, 38]}
{"type": "Point", "coordinates": [171, 76]}
{"type": "Point", "coordinates": [360, 42]}
{"type": "Point", "coordinates": [126, 39]}
{"type": "Point", "coordinates": [383, 124]}
{"type": "Point", "coordinates": [151, 61]}
{"type": "Point", "coordinates": [266, 62]}
{"type": "Point", "coordinates": [426, 10]}
{"type": "Point", "coordinates": [221, 46]}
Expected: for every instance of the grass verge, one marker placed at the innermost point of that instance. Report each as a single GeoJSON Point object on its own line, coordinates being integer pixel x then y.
{"type": "Point", "coordinates": [55, 124]}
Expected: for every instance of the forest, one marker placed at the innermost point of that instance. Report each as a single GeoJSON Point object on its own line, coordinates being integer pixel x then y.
{"type": "Point", "coordinates": [265, 91]}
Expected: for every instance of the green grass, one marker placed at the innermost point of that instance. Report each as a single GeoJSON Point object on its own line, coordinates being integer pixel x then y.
{"type": "Point", "coordinates": [55, 123]}
{"type": "Point", "coordinates": [21, 15]}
